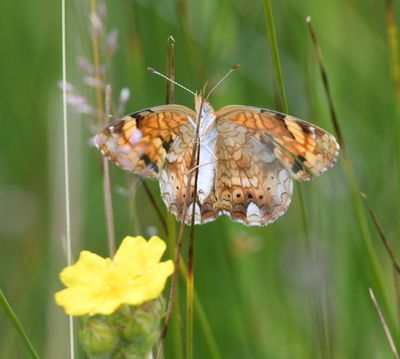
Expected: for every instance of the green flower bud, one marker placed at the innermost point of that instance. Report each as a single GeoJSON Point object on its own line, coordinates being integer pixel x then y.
{"type": "Point", "coordinates": [129, 352]}
{"type": "Point", "coordinates": [98, 336]}
{"type": "Point", "coordinates": [143, 320]}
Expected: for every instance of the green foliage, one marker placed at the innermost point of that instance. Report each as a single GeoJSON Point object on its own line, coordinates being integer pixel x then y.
{"type": "Point", "coordinates": [267, 292]}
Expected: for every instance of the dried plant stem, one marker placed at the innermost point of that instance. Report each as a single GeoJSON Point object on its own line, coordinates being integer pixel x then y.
{"type": "Point", "coordinates": [96, 56]}
{"type": "Point", "coordinates": [66, 165]}
{"type": "Point", "coordinates": [107, 188]}
{"type": "Point", "coordinates": [384, 325]}
{"type": "Point", "coordinates": [190, 273]}
{"type": "Point", "coordinates": [170, 70]}
{"type": "Point", "coordinates": [352, 181]}
{"type": "Point", "coordinates": [156, 207]}
{"type": "Point", "coordinates": [327, 89]}
{"type": "Point", "coordinates": [192, 166]}
{"type": "Point", "coordinates": [103, 118]}
{"type": "Point", "coordinates": [378, 227]}
{"type": "Point", "coordinates": [170, 98]}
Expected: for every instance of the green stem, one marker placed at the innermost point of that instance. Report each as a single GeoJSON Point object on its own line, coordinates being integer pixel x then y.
{"type": "Point", "coordinates": [14, 320]}
{"type": "Point", "coordinates": [275, 54]}
{"type": "Point", "coordinates": [362, 221]}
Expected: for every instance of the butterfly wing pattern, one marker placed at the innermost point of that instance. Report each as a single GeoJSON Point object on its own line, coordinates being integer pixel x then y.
{"type": "Point", "coordinates": [140, 141]}
{"type": "Point", "coordinates": [248, 158]}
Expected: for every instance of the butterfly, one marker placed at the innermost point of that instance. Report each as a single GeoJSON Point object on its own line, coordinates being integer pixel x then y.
{"type": "Point", "coordinates": [248, 157]}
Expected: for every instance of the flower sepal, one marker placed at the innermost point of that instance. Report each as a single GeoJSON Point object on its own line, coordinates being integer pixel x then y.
{"type": "Point", "coordinates": [98, 336]}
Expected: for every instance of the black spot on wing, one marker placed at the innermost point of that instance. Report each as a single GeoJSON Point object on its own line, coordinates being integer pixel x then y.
{"type": "Point", "coordinates": [279, 116]}
{"type": "Point", "coordinates": [117, 127]}
{"type": "Point", "coordinates": [304, 127]}
{"type": "Point", "coordinates": [140, 115]}
{"type": "Point", "coordinates": [298, 165]}
{"type": "Point", "coordinates": [149, 164]}
{"type": "Point", "coordinates": [166, 144]}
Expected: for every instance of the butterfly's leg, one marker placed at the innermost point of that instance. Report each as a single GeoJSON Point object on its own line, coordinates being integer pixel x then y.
{"type": "Point", "coordinates": [211, 153]}
{"type": "Point", "coordinates": [192, 122]}
{"type": "Point", "coordinates": [203, 164]}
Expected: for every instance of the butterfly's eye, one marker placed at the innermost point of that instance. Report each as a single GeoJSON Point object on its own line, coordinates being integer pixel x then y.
{"type": "Point", "coordinates": [206, 107]}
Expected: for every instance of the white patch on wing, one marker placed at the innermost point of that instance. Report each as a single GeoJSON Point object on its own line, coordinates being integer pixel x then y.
{"type": "Point", "coordinates": [253, 210]}
{"type": "Point", "coordinates": [283, 175]}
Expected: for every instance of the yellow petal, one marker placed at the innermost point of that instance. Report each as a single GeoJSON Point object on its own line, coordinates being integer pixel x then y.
{"type": "Point", "coordinates": [88, 270]}
{"type": "Point", "coordinates": [135, 254]}
{"type": "Point", "coordinates": [150, 285]}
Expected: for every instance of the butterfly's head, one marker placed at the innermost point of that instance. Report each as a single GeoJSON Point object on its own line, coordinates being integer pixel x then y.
{"type": "Point", "coordinates": [206, 112]}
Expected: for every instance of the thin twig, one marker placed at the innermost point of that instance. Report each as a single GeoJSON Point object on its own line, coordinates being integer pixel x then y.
{"type": "Point", "coordinates": [384, 325]}
{"type": "Point", "coordinates": [156, 207]}
{"type": "Point", "coordinates": [66, 165]}
{"type": "Point", "coordinates": [103, 118]}
{"type": "Point", "coordinates": [381, 234]}
{"type": "Point", "coordinates": [327, 87]}
{"type": "Point", "coordinates": [170, 70]}
{"type": "Point", "coordinates": [190, 271]}
{"type": "Point", "coordinates": [180, 238]}
{"type": "Point", "coordinates": [96, 56]}
{"type": "Point", "coordinates": [107, 186]}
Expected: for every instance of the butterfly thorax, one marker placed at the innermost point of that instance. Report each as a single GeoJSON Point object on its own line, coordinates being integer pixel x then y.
{"type": "Point", "coordinates": [208, 139]}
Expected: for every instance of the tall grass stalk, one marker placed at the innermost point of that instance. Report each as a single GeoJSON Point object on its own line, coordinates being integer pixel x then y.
{"type": "Point", "coordinates": [190, 272]}
{"type": "Point", "coordinates": [171, 226]}
{"type": "Point", "coordinates": [382, 235]}
{"type": "Point", "coordinates": [66, 164]}
{"type": "Point", "coordinates": [362, 223]}
{"type": "Point", "coordinates": [279, 78]}
{"type": "Point", "coordinates": [321, 319]}
{"type": "Point", "coordinates": [384, 325]}
{"type": "Point", "coordinates": [17, 324]}
{"type": "Point", "coordinates": [107, 185]}
{"type": "Point", "coordinates": [193, 169]}
{"type": "Point", "coordinates": [102, 119]}
{"type": "Point", "coordinates": [393, 40]}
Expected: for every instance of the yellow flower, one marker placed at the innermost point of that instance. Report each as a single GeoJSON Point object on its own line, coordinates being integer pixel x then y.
{"type": "Point", "coordinates": [97, 285]}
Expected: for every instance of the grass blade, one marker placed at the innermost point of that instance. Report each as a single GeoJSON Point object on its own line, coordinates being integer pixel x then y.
{"type": "Point", "coordinates": [107, 187]}
{"type": "Point", "coordinates": [352, 181]}
{"type": "Point", "coordinates": [378, 227]}
{"type": "Point", "coordinates": [171, 226]}
{"type": "Point", "coordinates": [384, 325]}
{"type": "Point", "coordinates": [18, 327]}
{"type": "Point", "coordinates": [66, 166]}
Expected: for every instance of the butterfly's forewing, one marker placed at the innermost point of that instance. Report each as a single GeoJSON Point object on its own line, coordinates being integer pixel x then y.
{"type": "Point", "coordinates": [139, 142]}
{"type": "Point", "coordinates": [305, 150]}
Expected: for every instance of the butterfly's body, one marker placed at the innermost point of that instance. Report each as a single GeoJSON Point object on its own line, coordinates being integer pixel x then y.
{"type": "Point", "coordinates": [248, 157]}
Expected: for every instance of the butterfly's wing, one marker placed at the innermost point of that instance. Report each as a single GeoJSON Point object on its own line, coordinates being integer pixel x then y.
{"type": "Point", "coordinates": [251, 185]}
{"type": "Point", "coordinates": [174, 176]}
{"type": "Point", "coordinates": [139, 142]}
{"type": "Point", "coordinates": [304, 150]}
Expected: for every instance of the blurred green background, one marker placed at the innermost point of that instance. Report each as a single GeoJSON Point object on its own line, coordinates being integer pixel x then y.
{"type": "Point", "coordinates": [270, 292]}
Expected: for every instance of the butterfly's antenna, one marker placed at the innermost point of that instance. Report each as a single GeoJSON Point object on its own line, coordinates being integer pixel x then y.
{"type": "Point", "coordinates": [233, 68]}
{"type": "Point", "coordinates": [150, 69]}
